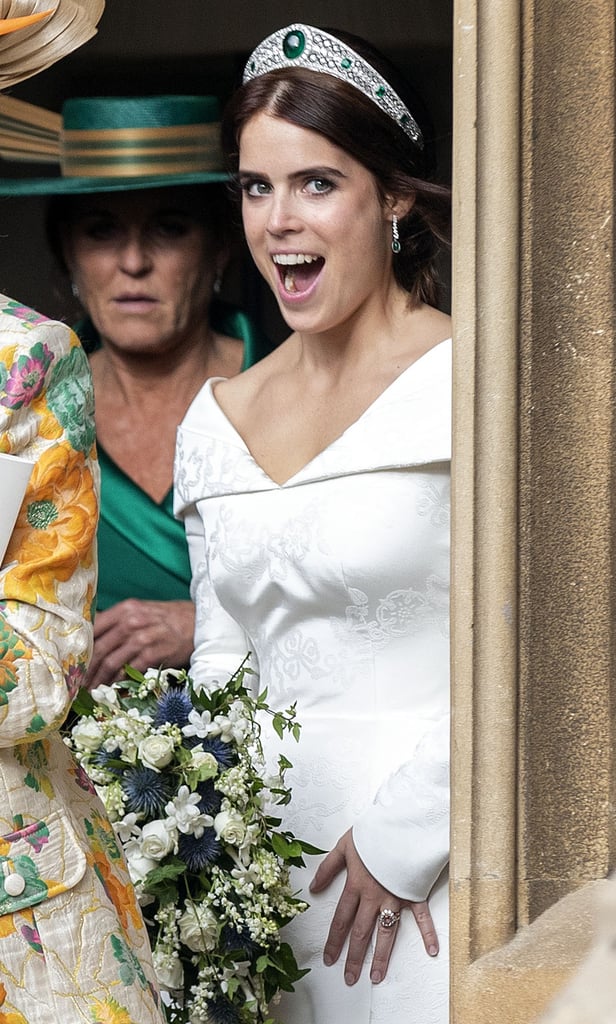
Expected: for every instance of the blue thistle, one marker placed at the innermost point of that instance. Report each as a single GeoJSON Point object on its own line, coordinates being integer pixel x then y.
{"type": "Point", "coordinates": [224, 753]}
{"type": "Point", "coordinates": [146, 791]}
{"type": "Point", "coordinates": [221, 1011]}
{"type": "Point", "coordinates": [174, 707]}
{"type": "Point", "coordinates": [101, 759]}
{"type": "Point", "coordinates": [197, 854]}
{"type": "Point", "coordinates": [235, 939]}
{"type": "Point", "coordinates": [211, 799]}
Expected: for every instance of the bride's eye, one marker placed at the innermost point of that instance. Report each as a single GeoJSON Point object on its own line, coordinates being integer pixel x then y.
{"type": "Point", "coordinates": [254, 188]}
{"type": "Point", "coordinates": [319, 186]}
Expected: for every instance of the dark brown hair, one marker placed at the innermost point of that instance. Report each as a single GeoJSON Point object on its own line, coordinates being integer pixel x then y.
{"type": "Point", "coordinates": [352, 121]}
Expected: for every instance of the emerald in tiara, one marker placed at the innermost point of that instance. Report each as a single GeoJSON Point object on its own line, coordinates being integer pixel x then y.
{"type": "Point", "coordinates": [293, 45]}
{"type": "Point", "coordinates": [308, 47]}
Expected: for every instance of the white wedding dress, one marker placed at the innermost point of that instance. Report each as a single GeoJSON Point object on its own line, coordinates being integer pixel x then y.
{"type": "Point", "coordinates": [338, 583]}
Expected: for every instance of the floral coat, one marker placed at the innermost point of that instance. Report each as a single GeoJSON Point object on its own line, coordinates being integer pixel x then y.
{"type": "Point", "coordinates": [73, 946]}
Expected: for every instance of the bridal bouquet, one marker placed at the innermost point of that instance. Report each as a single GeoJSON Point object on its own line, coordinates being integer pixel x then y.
{"type": "Point", "coordinates": [181, 772]}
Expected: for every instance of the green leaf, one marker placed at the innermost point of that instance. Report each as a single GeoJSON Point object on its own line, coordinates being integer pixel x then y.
{"type": "Point", "coordinates": [284, 847]}
{"type": "Point", "coordinates": [84, 703]}
{"type": "Point", "coordinates": [134, 674]}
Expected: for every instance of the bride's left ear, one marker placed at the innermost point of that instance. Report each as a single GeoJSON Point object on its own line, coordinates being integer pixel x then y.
{"type": "Point", "coordinates": [398, 207]}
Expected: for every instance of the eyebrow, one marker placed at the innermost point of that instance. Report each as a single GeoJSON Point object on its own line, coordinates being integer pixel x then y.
{"type": "Point", "coordinates": [305, 172]}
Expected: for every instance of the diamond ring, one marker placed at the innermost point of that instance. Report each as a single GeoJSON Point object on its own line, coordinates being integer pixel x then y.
{"type": "Point", "coordinates": [388, 918]}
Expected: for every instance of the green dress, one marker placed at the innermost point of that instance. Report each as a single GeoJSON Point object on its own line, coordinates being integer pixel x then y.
{"type": "Point", "coordinates": [142, 549]}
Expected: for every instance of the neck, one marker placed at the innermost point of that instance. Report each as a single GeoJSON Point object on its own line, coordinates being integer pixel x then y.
{"type": "Point", "coordinates": [137, 375]}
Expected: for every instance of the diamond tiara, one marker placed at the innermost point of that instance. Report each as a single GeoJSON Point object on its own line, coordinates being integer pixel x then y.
{"type": "Point", "coordinates": [307, 47]}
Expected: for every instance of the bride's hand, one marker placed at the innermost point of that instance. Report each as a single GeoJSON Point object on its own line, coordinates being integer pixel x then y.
{"type": "Point", "coordinates": [358, 913]}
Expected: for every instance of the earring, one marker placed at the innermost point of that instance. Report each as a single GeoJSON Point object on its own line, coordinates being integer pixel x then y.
{"type": "Point", "coordinates": [395, 236]}
{"type": "Point", "coordinates": [217, 283]}
{"type": "Point", "coordinates": [74, 290]}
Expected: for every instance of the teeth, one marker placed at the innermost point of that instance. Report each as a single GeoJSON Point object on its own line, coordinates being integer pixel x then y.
{"type": "Point", "coordinates": [289, 282]}
{"type": "Point", "coordinates": [292, 259]}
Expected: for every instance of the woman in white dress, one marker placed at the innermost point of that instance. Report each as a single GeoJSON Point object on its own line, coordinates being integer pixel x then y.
{"type": "Point", "coordinates": [315, 493]}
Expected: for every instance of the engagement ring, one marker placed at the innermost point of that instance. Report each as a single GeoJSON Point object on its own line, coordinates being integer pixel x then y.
{"type": "Point", "coordinates": [388, 918]}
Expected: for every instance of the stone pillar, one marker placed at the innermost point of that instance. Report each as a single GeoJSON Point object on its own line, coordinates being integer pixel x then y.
{"type": "Point", "coordinates": [532, 646]}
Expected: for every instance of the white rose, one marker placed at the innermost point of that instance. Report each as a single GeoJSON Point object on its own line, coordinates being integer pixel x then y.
{"type": "Point", "coordinates": [169, 970]}
{"type": "Point", "coordinates": [139, 866]}
{"type": "Point", "coordinates": [157, 839]}
{"type": "Point", "coordinates": [87, 734]}
{"type": "Point", "coordinates": [198, 928]}
{"type": "Point", "coordinates": [201, 758]}
{"type": "Point", "coordinates": [156, 751]}
{"type": "Point", "coordinates": [229, 827]}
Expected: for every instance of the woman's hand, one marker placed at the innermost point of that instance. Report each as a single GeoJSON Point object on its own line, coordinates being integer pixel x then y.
{"type": "Point", "coordinates": [144, 634]}
{"type": "Point", "coordinates": [357, 914]}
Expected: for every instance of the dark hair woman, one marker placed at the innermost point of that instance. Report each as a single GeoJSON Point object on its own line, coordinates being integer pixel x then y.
{"type": "Point", "coordinates": [319, 536]}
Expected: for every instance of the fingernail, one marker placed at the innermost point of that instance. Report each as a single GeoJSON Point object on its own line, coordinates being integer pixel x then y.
{"type": "Point", "coordinates": [349, 978]}
{"type": "Point", "coordinates": [432, 950]}
{"type": "Point", "coordinates": [327, 960]}
{"type": "Point", "coordinates": [376, 976]}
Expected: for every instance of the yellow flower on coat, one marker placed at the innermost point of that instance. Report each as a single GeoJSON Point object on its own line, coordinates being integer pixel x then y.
{"type": "Point", "coordinates": [12, 1016]}
{"type": "Point", "coordinates": [7, 927]}
{"type": "Point", "coordinates": [56, 525]}
{"type": "Point", "coordinates": [110, 1012]}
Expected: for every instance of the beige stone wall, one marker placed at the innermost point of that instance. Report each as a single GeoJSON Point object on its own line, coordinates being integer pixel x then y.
{"type": "Point", "coordinates": [534, 719]}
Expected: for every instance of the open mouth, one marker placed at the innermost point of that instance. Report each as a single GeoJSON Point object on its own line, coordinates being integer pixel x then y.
{"type": "Point", "coordinates": [298, 270]}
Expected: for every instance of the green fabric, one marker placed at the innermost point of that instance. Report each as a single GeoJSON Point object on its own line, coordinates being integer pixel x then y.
{"type": "Point", "coordinates": [142, 548]}
{"type": "Point", "coordinates": [107, 113]}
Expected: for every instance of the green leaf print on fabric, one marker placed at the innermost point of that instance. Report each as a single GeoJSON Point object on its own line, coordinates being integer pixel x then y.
{"type": "Point", "coordinates": [33, 756]}
{"type": "Point", "coordinates": [37, 724]}
{"type": "Point", "coordinates": [70, 397]}
{"type": "Point", "coordinates": [130, 968]}
{"type": "Point", "coordinates": [103, 838]}
{"type": "Point", "coordinates": [11, 649]}
{"type": "Point", "coordinates": [35, 888]}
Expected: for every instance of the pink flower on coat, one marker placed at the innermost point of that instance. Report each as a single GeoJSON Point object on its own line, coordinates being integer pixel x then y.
{"type": "Point", "coordinates": [26, 379]}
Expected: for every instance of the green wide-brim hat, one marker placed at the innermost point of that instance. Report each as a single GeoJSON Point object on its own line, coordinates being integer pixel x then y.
{"type": "Point", "coordinates": [114, 143]}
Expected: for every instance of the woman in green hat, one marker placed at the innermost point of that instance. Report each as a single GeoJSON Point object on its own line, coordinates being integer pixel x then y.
{"type": "Point", "coordinates": [139, 220]}
{"type": "Point", "coordinates": [73, 945]}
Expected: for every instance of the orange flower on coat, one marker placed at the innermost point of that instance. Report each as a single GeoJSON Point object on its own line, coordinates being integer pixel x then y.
{"type": "Point", "coordinates": [55, 529]}
{"type": "Point", "coordinates": [122, 896]}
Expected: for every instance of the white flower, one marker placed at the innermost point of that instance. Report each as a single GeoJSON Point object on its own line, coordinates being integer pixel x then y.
{"type": "Point", "coordinates": [127, 828]}
{"type": "Point", "coordinates": [156, 751]}
{"type": "Point", "coordinates": [105, 695]}
{"type": "Point", "coordinates": [138, 865]}
{"type": "Point", "coordinates": [198, 928]}
{"type": "Point", "coordinates": [158, 839]}
{"type": "Point", "coordinates": [230, 828]}
{"type": "Point", "coordinates": [200, 724]}
{"type": "Point", "coordinates": [235, 726]}
{"type": "Point", "coordinates": [87, 734]}
{"type": "Point", "coordinates": [184, 813]}
{"type": "Point", "coordinates": [169, 970]}
{"type": "Point", "coordinates": [201, 758]}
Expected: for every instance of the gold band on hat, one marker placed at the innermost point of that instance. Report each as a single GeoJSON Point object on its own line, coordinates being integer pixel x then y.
{"type": "Point", "coordinates": [138, 152]}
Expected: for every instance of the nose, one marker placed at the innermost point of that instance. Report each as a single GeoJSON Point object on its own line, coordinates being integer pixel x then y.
{"type": "Point", "coordinates": [135, 256]}
{"type": "Point", "coordinates": [282, 215]}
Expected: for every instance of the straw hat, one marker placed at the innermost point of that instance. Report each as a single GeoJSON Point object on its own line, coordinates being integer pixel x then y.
{"type": "Point", "coordinates": [46, 31]}
{"type": "Point", "coordinates": [114, 143]}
